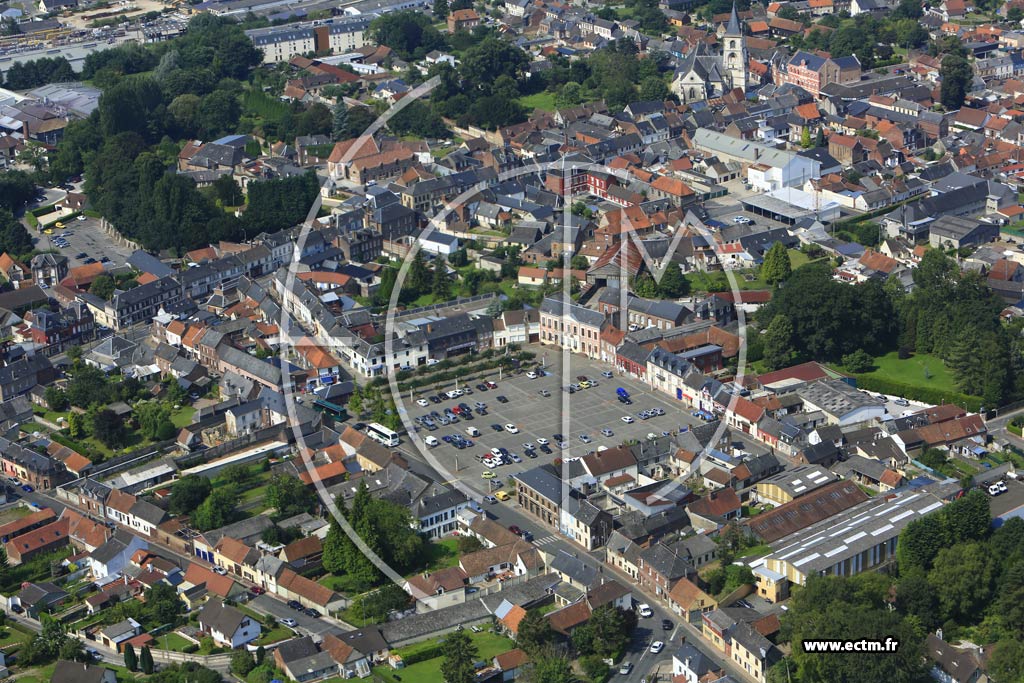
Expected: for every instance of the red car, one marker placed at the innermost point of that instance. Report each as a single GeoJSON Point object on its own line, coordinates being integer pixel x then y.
{"type": "Point", "coordinates": [516, 530]}
{"type": "Point", "coordinates": [257, 590]}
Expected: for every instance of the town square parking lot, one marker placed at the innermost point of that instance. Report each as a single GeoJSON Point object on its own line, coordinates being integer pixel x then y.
{"type": "Point", "coordinates": [585, 412]}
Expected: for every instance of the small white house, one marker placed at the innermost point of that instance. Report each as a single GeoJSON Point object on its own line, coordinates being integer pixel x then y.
{"type": "Point", "coordinates": [227, 626]}
{"type": "Point", "coordinates": [439, 243]}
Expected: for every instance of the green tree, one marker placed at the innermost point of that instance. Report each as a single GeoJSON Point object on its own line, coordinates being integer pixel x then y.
{"type": "Point", "coordinates": [408, 33]}
{"type": "Point", "coordinates": [534, 632]}
{"type": "Point", "coordinates": [335, 549]}
{"type": "Point", "coordinates": [355, 401]}
{"type": "Point", "coordinates": [103, 287]}
{"type": "Point", "coordinates": [242, 662]}
{"type": "Point", "coordinates": [920, 541]}
{"type": "Point", "coordinates": [858, 361]}
{"type": "Point", "coordinates": [778, 343]}
{"type": "Point", "coordinates": [653, 88]}
{"type": "Point", "coordinates": [805, 138]}
{"type": "Point", "coordinates": [261, 654]}
{"type": "Point", "coordinates": [14, 238]}
{"type": "Point", "coordinates": [76, 426]}
{"type": "Point", "coordinates": [188, 493]}
{"type": "Point", "coordinates": [442, 284]}
{"type": "Point", "coordinates": [673, 284]}
{"type": "Point", "coordinates": [146, 660]}
{"type": "Point", "coordinates": [217, 510]}
{"type": "Point", "coordinates": [227, 191]}
{"type": "Point", "coordinates": [417, 279]}
{"type": "Point", "coordinates": [1006, 661]}
{"type": "Point", "coordinates": [56, 399]}
{"type": "Point", "coordinates": [549, 666]}
{"type": "Point", "coordinates": [441, 9]}
{"type": "Point", "coordinates": [459, 653]}
{"type": "Point", "coordinates": [131, 660]}
{"type": "Point", "coordinates": [108, 427]}
{"type": "Point", "coordinates": [289, 496]}
{"type": "Point", "coordinates": [961, 577]}
{"type": "Point", "coordinates": [73, 651]}
{"type": "Point", "coordinates": [776, 267]}
{"type": "Point", "coordinates": [339, 124]}
{"type": "Point", "coordinates": [956, 74]}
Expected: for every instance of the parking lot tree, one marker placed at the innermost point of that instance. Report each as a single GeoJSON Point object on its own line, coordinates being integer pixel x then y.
{"type": "Point", "coordinates": [460, 652]}
{"type": "Point", "coordinates": [14, 238]}
{"type": "Point", "coordinates": [16, 190]}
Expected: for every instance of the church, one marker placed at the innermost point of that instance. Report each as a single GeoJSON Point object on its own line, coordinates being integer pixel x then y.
{"type": "Point", "coordinates": [702, 76]}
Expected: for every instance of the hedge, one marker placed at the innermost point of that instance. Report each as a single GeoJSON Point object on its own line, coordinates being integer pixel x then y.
{"type": "Point", "coordinates": [916, 393]}
{"type": "Point", "coordinates": [424, 654]}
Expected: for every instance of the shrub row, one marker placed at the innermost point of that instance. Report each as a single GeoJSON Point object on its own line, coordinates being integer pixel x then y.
{"type": "Point", "coordinates": [917, 393]}
{"type": "Point", "coordinates": [423, 655]}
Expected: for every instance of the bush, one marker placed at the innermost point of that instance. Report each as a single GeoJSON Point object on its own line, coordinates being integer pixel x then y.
{"type": "Point", "coordinates": [595, 668]}
{"type": "Point", "coordinates": [903, 353]}
{"type": "Point", "coordinates": [858, 361]}
{"type": "Point", "coordinates": [924, 394]}
{"type": "Point", "coordinates": [190, 648]}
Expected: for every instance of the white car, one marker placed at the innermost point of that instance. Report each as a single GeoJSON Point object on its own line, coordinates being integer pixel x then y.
{"type": "Point", "coordinates": [289, 622]}
{"type": "Point", "coordinates": [431, 441]}
{"type": "Point", "coordinates": [496, 452]}
{"type": "Point", "coordinates": [452, 394]}
{"type": "Point", "coordinates": [220, 570]}
{"type": "Point", "coordinates": [531, 374]}
{"type": "Point", "coordinates": [644, 610]}
{"type": "Point", "coordinates": [627, 419]}
{"type": "Point", "coordinates": [657, 646]}
{"type": "Point", "coordinates": [625, 669]}
{"type": "Point", "coordinates": [541, 441]}
{"type": "Point", "coordinates": [511, 428]}
{"type": "Point", "coordinates": [422, 402]}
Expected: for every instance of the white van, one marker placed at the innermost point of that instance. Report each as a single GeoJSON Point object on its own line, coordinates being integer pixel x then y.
{"type": "Point", "coordinates": [430, 441]}
{"type": "Point", "coordinates": [472, 431]}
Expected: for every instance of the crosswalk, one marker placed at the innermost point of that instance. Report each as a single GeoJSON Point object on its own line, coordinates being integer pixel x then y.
{"type": "Point", "coordinates": [544, 540]}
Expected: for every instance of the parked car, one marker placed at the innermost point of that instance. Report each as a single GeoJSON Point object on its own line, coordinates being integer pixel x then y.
{"type": "Point", "coordinates": [627, 419]}
{"type": "Point", "coordinates": [606, 374]}
{"type": "Point", "coordinates": [511, 428]}
{"type": "Point", "coordinates": [626, 669]}
{"type": "Point", "coordinates": [502, 399]}
{"type": "Point", "coordinates": [644, 610]}
{"type": "Point", "coordinates": [220, 570]}
{"type": "Point", "coordinates": [310, 612]}
{"type": "Point", "coordinates": [667, 625]}
{"type": "Point", "coordinates": [289, 622]}
{"type": "Point", "coordinates": [295, 604]}
{"type": "Point", "coordinates": [657, 646]}
{"type": "Point", "coordinates": [490, 500]}
{"type": "Point", "coordinates": [516, 530]}
{"type": "Point", "coordinates": [501, 495]}
{"type": "Point", "coordinates": [532, 375]}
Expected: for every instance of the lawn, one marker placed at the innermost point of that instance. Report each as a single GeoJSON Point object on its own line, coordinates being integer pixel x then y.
{"type": "Point", "coordinates": [718, 281]}
{"type": "Point", "coordinates": [920, 370]}
{"type": "Point", "coordinates": [9, 635]}
{"type": "Point", "coordinates": [488, 645]}
{"type": "Point", "coordinates": [275, 635]}
{"type": "Point", "coordinates": [182, 417]}
{"type": "Point", "coordinates": [173, 642]}
{"type": "Point", "coordinates": [442, 554]}
{"type": "Point", "coordinates": [11, 514]}
{"type": "Point", "coordinates": [544, 101]}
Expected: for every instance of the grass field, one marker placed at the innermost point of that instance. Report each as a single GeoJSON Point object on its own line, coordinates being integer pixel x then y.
{"type": "Point", "coordinates": [172, 641]}
{"type": "Point", "coordinates": [545, 101]}
{"type": "Point", "coordinates": [488, 645]}
{"type": "Point", "coordinates": [920, 370]}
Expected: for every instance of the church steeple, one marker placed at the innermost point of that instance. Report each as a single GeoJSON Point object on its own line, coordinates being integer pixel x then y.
{"type": "Point", "coordinates": [734, 51]}
{"type": "Point", "coordinates": [733, 29]}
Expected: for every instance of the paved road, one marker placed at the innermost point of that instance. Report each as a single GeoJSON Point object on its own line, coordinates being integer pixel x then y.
{"type": "Point", "coordinates": [306, 624]}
